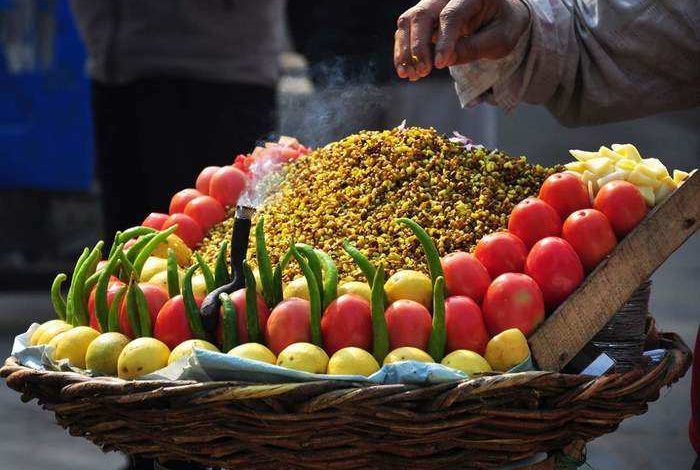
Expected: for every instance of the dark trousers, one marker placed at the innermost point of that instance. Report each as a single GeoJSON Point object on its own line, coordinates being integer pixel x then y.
{"type": "Point", "coordinates": [153, 136]}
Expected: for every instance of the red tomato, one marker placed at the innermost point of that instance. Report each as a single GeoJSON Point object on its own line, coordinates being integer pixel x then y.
{"type": "Point", "coordinates": [238, 299]}
{"type": "Point", "coordinates": [555, 267]}
{"type": "Point", "coordinates": [532, 220]}
{"type": "Point", "coordinates": [622, 204]}
{"type": "Point", "coordinates": [289, 323]}
{"type": "Point", "coordinates": [171, 326]}
{"type": "Point", "coordinates": [465, 275]}
{"type": "Point", "coordinates": [112, 289]}
{"type": "Point", "coordinates": [501, 252]}
{"type": "Point", "coordinates": [181, 198]}
{"type": "Point", "coordinates": [206, 211]}
{"type": "Point", "coordinates": [155, 220]}
{"type": "Point", "coordinates": [227, 184]}
{"type": "Point", "coordinates": [156, 297]}
{"type": "Point", "coordinates": [204, 178]}
{"type": "Point", "coordinates": [566, 193]}
{"type": "Point", "coordinates": [187, 229]}
{"type": "Point", "coordinates": [409, 324]}
{"type": "Point", "coordinates": [465, 326]}
{"type": "Point", "coordinates": [590, 234]}
{"type": "Point", "coordinates": [513, 301]}
{"type": "Point", "coordinates": [347, 321]}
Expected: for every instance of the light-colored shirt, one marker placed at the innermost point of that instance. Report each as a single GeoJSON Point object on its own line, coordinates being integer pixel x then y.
{"type": "Point", "coordinates": [210, 40]}
{"type": "Point", "coordinates": [595, 61]}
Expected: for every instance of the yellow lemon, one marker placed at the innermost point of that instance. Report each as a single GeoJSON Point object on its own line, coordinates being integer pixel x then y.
{"type": "Point", "coordinates": [34, 340]}
{"type": "Point", "coordinates": [355, 287]}
{"type": "Point", "coordinates": [161, 279]}
{"type": "Point", "coordinates": [352, 361]}
{"type": "Point", "coordinates": [296, 288]}
{"type": "Point", "coordinates": [182, 252]}
{"type": "Point", "coordinates": [50, 333]}
{"type": "Point", "coordinates": [304, 356]}
{"type": "Point", "coordinates": [507, 349]}
{"type": "Point", "coordinates": [466, 361]}
{"type": "Point", "coordinates": [411, 285]}
{"type": "Point", "coordinates": [407, 353]}
{"type": "Point", "coordinates": [199, 285]}
{"type": "Point", "coordinates": [142, 356]}
{"type": "Point", "coordinates": [152, 266]}
{"type": "Point", "coordinates": [187, 347]}
{"type": "Point", "coordinates": [103, 353]}
{"type": "Point", "coordinates": [73, 345]}
{"type": "Point", "coordinates": [255, 352]}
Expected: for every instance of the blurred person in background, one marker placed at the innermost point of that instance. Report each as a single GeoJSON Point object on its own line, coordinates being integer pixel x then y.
{"type": "Point", "coordinates": [590, 63]}
{"type": "Point", "coordinates": [349, 64]}
{"type": "Point", "coordinates": [176, 85]}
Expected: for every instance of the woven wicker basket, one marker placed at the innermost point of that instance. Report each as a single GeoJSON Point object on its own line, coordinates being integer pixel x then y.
{"type": "Point", "coordinates": [478, 423]}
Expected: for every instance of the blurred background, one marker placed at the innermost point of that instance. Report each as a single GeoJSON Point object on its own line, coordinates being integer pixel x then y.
{"type": "Point", "coordinates": [335, 78]}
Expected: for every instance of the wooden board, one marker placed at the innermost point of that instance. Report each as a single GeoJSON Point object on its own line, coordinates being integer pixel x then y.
{"type": "Point", "coordinates": [607, 288]}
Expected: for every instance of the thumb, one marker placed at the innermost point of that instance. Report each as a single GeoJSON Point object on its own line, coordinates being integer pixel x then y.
{"type": "Point", "coordinates": [491, 43]}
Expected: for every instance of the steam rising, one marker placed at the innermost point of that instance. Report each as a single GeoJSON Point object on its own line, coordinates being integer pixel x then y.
{"type": "Point", "coordinates": [264, 175]}
{"type": "Point", "coordinates": [339, 106]}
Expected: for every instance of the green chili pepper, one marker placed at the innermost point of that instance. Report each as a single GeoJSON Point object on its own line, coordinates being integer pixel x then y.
{"type": "Point", "coordinates": [79, 294]}
{"type": "Point", "coordinates": [191, 308]}
{"type": "Point", "coordinates": [206, 271]}
{"type": "Point", "coordinates": [134, 232]}
{"type": "Point", "coordinates": [251, 305]}
{"type": "Point", "coordinates": [380, 347]}
{"type": "Point", "coordinates": [92, 280]}
{"type": "Point", "coordinates": [143, 311]}
{"type": "Point", "coordinates": [230, 326]}
{"type": "Point", "coordinates": [361, 260]}
{"type": "Point", "coordinates": [126, 267]}
{"type": "Point", "coordinates": [70, 304]}
{"type": "Point", "coordinates": [221, 274]}
{"type": "Point", "coordinates": [330, 279]}
{"type": "Point", "coordinates": [59, 303]}
{"type": "Point", "coordinates": [314, 297]}
{"type": "Point", "coordinates": [132, 310]}
{"type": "Point", "coordinates": [173, 274]}
{"type": "Point", "coordinates": [277, 276]}
{"type": "Point", "coordinates": [115, 243]}
{"type": "Point", "coordinates": [133, 251]}
{"type": "Point", "coordinates": [264, 265]}
{"type": "Point", "coordinates": [113, 318]}
{"type": "Point", "coordinates": [101, 304]}
{"type": "Point", "coordinates": [365, 265]}
{"type": "Point", "coordinates": [149, 247]}
{"type": "Point", "coordinates": [438, 337]}
{"type": "Point", "coordinates": [314, 263]}
{"type": "Point", "coordinates": [431, 253]}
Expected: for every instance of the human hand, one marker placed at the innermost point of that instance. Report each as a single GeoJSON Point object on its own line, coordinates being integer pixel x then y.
{"type": "Point", "coordinates": [462, 31]}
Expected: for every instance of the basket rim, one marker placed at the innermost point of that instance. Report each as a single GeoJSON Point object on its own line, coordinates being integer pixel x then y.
{"type": "Point", "coordinates": [74, 385]}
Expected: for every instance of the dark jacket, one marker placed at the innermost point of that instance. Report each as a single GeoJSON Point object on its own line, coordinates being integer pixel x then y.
{"type": "Point", "coordinates": [216, 40]}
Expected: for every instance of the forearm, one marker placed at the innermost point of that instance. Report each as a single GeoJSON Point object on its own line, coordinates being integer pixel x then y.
{"type": "Point", "coordinates": [611, 61]}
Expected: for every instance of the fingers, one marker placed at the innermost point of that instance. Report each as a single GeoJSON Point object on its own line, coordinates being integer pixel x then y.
{"type": "Point", "coordinates": [402, 48]}
{"type": "Point", "coordinates": [456, 21]}
{"type": "Point", "coordinates": [412, 41]}
{"type": "Point", "coordinates": [422, 25]}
